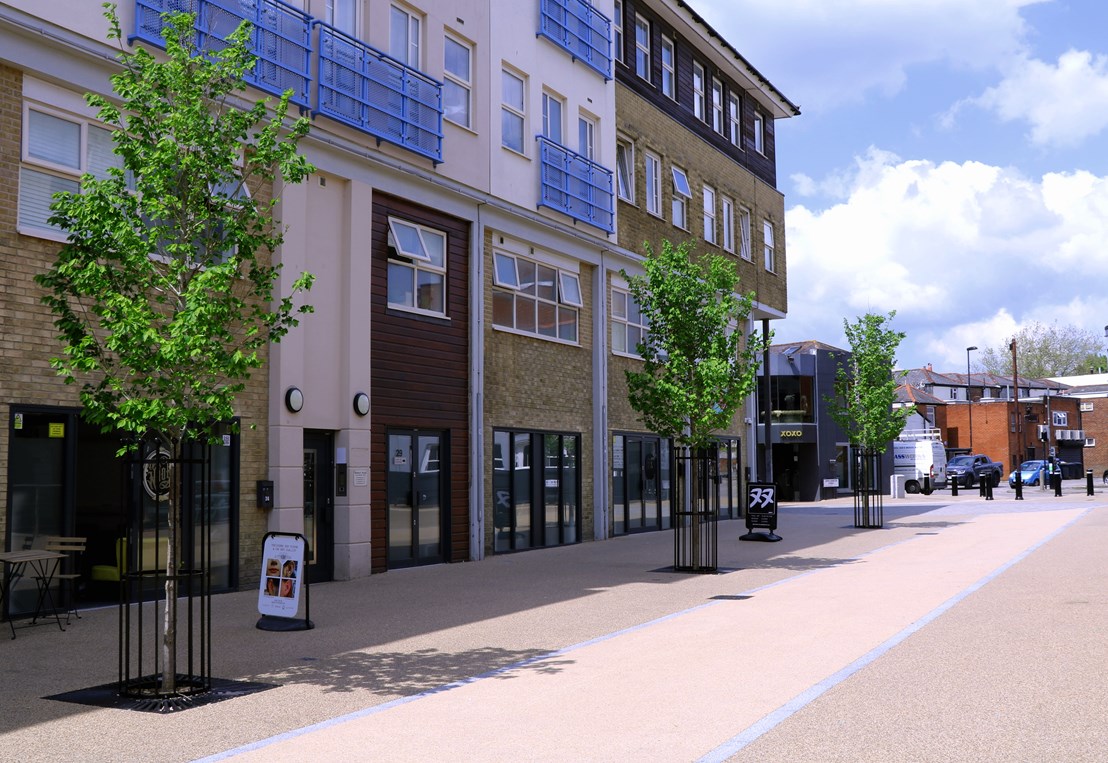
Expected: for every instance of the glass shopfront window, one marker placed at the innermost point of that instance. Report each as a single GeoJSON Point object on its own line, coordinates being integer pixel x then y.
{"type": "Point", "coordinates": [536, 481]}
{"type": "Point", "coordinates": [642, 468]}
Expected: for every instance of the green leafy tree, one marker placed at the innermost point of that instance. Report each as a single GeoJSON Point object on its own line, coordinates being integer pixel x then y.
{"type": "Point", "coordinates": [1046, 351]}
{"type": "Point", "coordinates": [865, 390]}
{"type": "Point", "coordinates": [163, 294]}
{"type": "Point", "coordinates": [698, 367]}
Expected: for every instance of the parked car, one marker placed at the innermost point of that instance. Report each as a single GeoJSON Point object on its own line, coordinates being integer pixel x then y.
{"type": "Point", "coordinates": [967, 469]}
{"type": "Point", "coordinates": [1031, 472]}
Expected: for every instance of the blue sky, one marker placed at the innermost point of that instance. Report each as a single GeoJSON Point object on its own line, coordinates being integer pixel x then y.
{"type": "Point", "coordinates": [950, 163]}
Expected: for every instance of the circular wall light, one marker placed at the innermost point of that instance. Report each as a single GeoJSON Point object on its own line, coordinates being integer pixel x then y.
{"type": "Point", "coordinates": [294, 399]}
{"type": "Point", "coordinates": [361, 404]}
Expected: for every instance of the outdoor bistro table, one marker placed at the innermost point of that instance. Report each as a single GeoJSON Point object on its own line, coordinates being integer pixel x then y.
{"type": "Point", "coordinates": [44, 564]}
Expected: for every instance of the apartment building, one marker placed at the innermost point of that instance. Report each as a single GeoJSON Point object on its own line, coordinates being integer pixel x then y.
{"type": "Point", "coordinates": [457, 391]}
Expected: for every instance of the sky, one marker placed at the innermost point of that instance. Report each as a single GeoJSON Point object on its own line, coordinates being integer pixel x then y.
{"type": "Point", "coordinates": [950, 163]}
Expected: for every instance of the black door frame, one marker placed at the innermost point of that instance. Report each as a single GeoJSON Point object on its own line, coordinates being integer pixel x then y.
{"type": "Point", "coordinates": [321, 565]}
{"type": "Point", "coordinates": [443, 554]}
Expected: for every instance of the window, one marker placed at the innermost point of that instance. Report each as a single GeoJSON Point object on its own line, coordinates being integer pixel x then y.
{"type": "Point", "coordinates": [759, 133]}
{"type": "Point", "coordinates": [681, 196]}
{"type": "Point", "coordinates": [734, 119]}
{"type": "Point", "coordinates": [653, 184]}
{"type": "Point", "coordinates": [709, 215]}
{"type": "Point", "coordinates": [717, 105]}
{"type": "Point", "coordinates": [767, 242]}
{"type": "Point", "coordinates": [457, 81]}
{"type": "Point", "coordinates": [1060, 418]}
{"type": "Point", "coordinates": [727, 210]}
{"type": "Point", "coordinates": [699, 105]}
{"type": "Point", "coordinates": [617, 29]}
{"type": "Point", "coordinates": [342, 14]}
{"type": "Point", "coordinates": [404, 37]}
{"type": "Point", "coordinates": [417, 267]}
{"type": "Point", "coordinates": [669, 74]}
{"type": "Point", "coordinates": [57, 150]}
{"type": "Point", "coordinates": [625, 169]}
{"type": "Point", "coordinates": [642, 47]}
{"type": "Point", "coordinates": [552, 117]}
{"type": "Point", "coordinates": [534, 298]}
{"type": "Point", "coordinates": [511, 111]}
{"type": "Point", "coordinates": [642, 485]}
{"type": "Point", "coordinates": [629, 325]}
{"type": "Point", "coordinates": [1086, 407]}
{"type": "Point", "coordinates": [744, 234]}
{"type": "Point", "coordinates": [586, 137]}
{"type": "Point", "coordinates": [536, 484]}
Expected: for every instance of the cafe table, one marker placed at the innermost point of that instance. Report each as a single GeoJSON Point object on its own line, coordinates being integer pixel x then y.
{"type": "Point", "coordinates": [43, 564]}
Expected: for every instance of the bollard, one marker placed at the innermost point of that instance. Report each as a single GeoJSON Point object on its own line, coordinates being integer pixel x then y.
{"type": "Point", "coordinates": [953, 487]}
{"type": "Point", "coordinates": [926, 485]}
{"type": "Point", "coordinates": [1056, 479]}
{"type": "Point", "coordinates": [1019, 484]}
{"type": "Point", "coordinates": [981, 487]}
{"type": "Point", "coordinates": [1088, 482]}
{"type": "Point", "coordinates": [988, 482]}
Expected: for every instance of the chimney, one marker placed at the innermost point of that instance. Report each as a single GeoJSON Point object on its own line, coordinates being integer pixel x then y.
{"type": "Point", "coordinates": [928, 366]}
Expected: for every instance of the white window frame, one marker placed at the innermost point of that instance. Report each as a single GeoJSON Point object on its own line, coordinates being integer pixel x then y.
{"type": "Point", "coordinates": [462, 81]}
{"type": "Point", "coordinates": [653, 167]}
{"type": "Point", "coordinates": [734, 120]}
{"type": "Point", "coordinates": [623, 327]}
{"type": "Point", "coordinates": [759, 133]}
{"type": "Point", "coordinates": [700, 105]}
{"type": "Point", "coordinates": [1059, 418]}
{"type": "Point", "coordinates": [568, 295]}
{"type": "Point", "coordinates": [343, 16]}
{"type": "Point", "coordinates": [682, 195]}
{"type": "Point", "coordinates": [418, 261]}
{"type": "Point", "coordinates": [708, 195]}
{"type": "Point", "coordinates": [409, 50]}
{"type": "Point", "coordinates": [669, 68]}
{"type": "Point", "coordinates": [44, 166]}
{"type": "Point", "coordinates": [586, 136]}
{"type": "Point", "coordinates": [717, 105]}
{"type": "Point", "coordinates": [625, 169]}
{"type": "Point", "coordinates": [617, 29]}
{"type": "Point", "coordinates": [642, 47]}
{"type": "Point", "coordinates": [553, 124]}
{"type": "Point", "coordinates": [745, 249]}
{"type": "Point", "coordinates": [514, 111]}
{"type": "Point", "coordinates": [769, 249]}
{"type": "Point", "coordinates": [727, 212]}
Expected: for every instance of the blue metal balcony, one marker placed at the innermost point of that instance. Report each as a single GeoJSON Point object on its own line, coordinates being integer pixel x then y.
{"type": "Point", "coordinates": [281, 37]}
{"type": "Point", "coordinates": [575, 185]}
{"type": "Point", "coordinates": [372, 92]}
{"type": "Point", "coordinates": [581, 30]}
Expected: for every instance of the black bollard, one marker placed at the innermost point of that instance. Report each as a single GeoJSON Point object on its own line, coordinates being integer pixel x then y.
{"type": "Point", "coordinates": [1088, 482]}
{"type": "Point", "coordinates": [953, 487]}
{"type": "Point", "coordinates": [1056, 478]}
{"type": "Point", "coordinates": [988, 482]}
{"type": "Point", "coordinates": [981, 487]}
{"type": "Point", "coordinates": [1019, 484]}
{"type": "Point", "coordinates": [926, 485]}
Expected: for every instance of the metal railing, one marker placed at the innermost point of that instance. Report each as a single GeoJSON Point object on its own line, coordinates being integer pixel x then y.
{"type": "Point", "coordinates": [281, 37]}
{"type": "Point", "coordinates": [581, 30]}
{"type": "Point", "coordinates": [360, 86]}
{"type": "Point", "coordinates": [575, 185]}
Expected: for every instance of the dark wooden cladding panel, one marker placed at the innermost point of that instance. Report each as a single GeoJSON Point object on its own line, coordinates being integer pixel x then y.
{"type": "Point", "coordinates": [420, 371]}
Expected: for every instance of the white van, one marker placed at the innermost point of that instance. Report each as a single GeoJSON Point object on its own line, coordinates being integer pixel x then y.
{"type": "Point", "coordinates": [918, 454]}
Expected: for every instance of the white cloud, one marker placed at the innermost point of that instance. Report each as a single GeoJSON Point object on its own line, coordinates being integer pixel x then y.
{"type": "Point", "coordinates": [827, 53]}
{"type": "Point", "coordinates": [1064, 103]}
{"type": "Point", "coordinates": [965, 253]}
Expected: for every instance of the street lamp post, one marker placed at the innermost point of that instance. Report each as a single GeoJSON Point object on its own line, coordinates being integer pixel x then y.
{"type": "Point", "coordinates": [969, 397]}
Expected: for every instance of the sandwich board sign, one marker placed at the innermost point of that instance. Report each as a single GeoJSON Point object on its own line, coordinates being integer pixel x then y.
{"type": "Point", "coordinates": [282, 581]}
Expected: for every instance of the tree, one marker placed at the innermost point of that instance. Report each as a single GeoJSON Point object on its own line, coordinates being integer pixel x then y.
{"type": "Point", "coordinates": [163, 294]}
{"type": "Point", "coordinates": [1045, 351]}
{"type": "Point", "coordinates": [865, 390]}
{"type": "Point", "coordinates": [698, 367]}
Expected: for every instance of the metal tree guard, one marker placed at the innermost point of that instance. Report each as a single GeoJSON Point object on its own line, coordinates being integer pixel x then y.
{"type": "Point", "coordinates": [869, 509]}
{"type": "Point", "coordinates": [169, 481]}
{"type": "Point", "coordinates": [696, 512]}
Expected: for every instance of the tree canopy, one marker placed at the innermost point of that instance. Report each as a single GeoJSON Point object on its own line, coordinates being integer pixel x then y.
{"type": "Point", "coordinates": [1046, 350]}
{"type": "Point", "coordinates": [698, 365]}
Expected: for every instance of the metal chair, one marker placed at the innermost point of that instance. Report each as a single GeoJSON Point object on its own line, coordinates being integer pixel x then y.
{"type": "Point", "coordinates": [70, 573]}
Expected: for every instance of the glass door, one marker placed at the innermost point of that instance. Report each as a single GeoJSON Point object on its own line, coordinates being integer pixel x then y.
{"type": "Point", "coordinates": [319, 504]}
{"type": "Point", "coordinates": [640, 483]}
{"type": "Point", "coordinates": [417, 511]}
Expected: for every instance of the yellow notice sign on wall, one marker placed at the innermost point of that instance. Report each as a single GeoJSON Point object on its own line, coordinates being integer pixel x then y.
{"type": "Point", "coordinates": [57, 430]}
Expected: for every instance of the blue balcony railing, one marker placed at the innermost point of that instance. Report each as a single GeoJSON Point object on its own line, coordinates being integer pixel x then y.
{"type": "Point", "coordinates": [575, 185]}
{"type": "Point", "coordinates": [583, 31]}
{"type": "Point", "coordinates": [281, 37]}
{"type": "Point", "coordinates": [368, 90]}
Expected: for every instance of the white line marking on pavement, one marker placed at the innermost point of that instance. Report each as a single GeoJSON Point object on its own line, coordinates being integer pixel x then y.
{"type": "Point", "coordinates": [767, 723]}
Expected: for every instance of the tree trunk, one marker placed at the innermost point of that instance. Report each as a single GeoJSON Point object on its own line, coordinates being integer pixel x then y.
{"type": "Point", "coordinates": [169, 632]}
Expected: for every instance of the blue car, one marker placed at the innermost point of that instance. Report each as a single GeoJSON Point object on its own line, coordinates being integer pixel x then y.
{"type": "Point", "coordinates": [1031, 472]}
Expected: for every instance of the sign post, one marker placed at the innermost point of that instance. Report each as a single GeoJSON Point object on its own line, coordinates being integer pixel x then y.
{"type": "Point", "coordinates": [283, 572]}
{"type": "Point", "coordinates": [761, 511]}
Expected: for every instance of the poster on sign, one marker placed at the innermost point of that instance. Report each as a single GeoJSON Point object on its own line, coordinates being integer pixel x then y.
{"type": "Point", "coordinates": [282, 570]}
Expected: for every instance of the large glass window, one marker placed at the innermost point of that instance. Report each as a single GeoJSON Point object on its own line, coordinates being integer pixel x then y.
{"type": "Point", "coordinates": [625, 169]}
{"type": "Point", "coordinates": [653, 184]}
{"type": "Point", "coordinates": [642, 47]}
{"type": "Point", "coordinates": [404, 34]}
{"type": "Point", "coordinates": [709, 215]}
{"type": "Point", "coordinates": [457, 81]}
{"type": "Point", "coordinates": [717, 105]}
{"type": "Point", "coordinates": [417, 267]}
{"type": "Point", "coordinates": [700, 105]}
{"type": "Point", "coordinates": [617, 29]}
{"type": "Point", "coordinates": [729, 463]}
{"type": "Point", "coordinates": [629, 325]}
{"type": "Point", "coordinates": [534, 298]}
{"type": "Point", "coordinates": [641, 483]}
{"type": "Point", "coordinates": [734, 119]}
{"type": "Point", "coordinates": [536, 482]}
{"type": "Point", "coordinates": [342, 14]}
{"type": "Point", "coordinates": [552, 118]}
{"type": "Point", "coordinates": [768, 246]}
{"type": "Point", "coordinates": [727, 215]}
{"type": "Point", "coordinates": [744, 233]}
{"type": "Point", "coordinates": [759, 133]}
{"type": "Point", "coordinates": [669, 71]}
{"type": "Point", "coordinates": [682, 194]}
{"type": "Point", "coordinates": [512, 111]}
{"type": "Point", "coordinates": [792, 398]}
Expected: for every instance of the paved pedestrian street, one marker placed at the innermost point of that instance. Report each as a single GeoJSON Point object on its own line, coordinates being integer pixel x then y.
{"type": "Point", "coordinates": [964, 630]}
